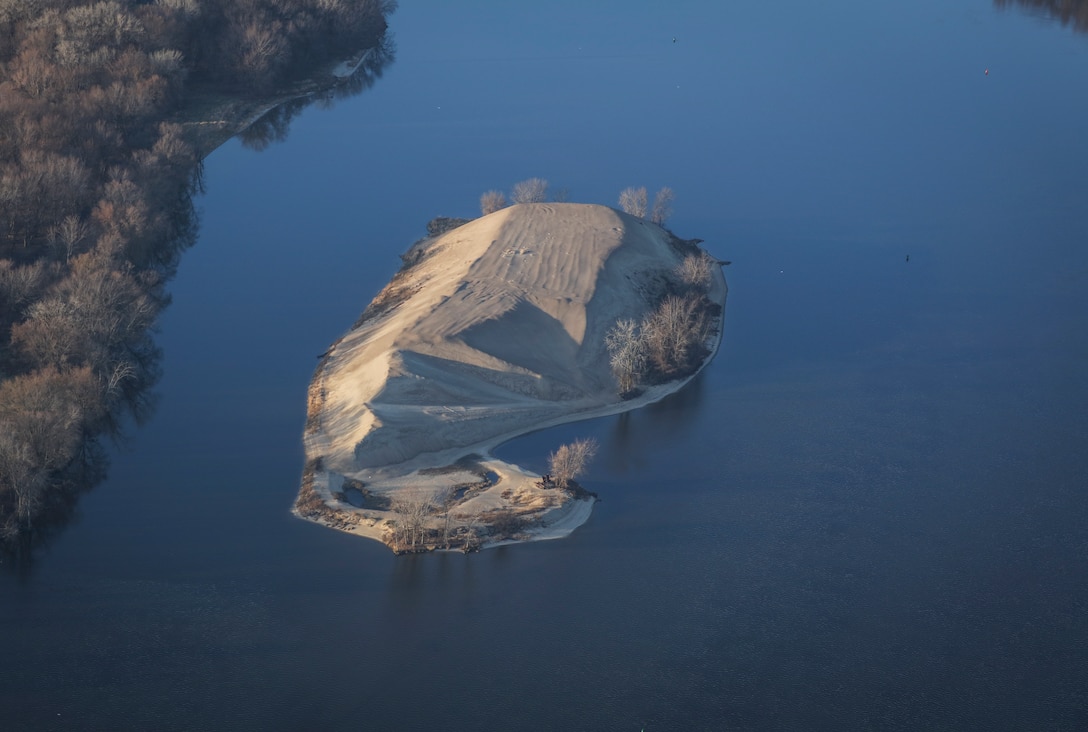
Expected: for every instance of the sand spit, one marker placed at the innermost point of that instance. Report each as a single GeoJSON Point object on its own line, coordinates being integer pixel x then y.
{"type": "Point", "coordinates": [493, 329]}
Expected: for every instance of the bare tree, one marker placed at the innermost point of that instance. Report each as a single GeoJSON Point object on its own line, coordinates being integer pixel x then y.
{"type": "Point", "coordinates": [662, 209]}
{"type": "Point", "coordinates": [533, 190]}
{"type": "Point", "coordinates": [633, 201]}
{"type": "Point", "coordinates": [20, 286]}
{"type": "Point", "coordinates": [570, 461]}
{"type": "Point", "coordinates": [410, 530]}
{"type": "Point", "coordinates": [675, 333]}
{"type": "Point", "coordinates": [472, 530]}
{"type": "Point", "coordinates": [492, 201]}
{"type": "Point", "coordinates": [68, 235]}
{"type": "Point", "coordinates": [627, 354]}
{"type": "Point", "coordinates": [695, 271]}
{"type": "Point", "coordinates": [443, 503]}
{"type": "Point", "coordinates": [43, 416]}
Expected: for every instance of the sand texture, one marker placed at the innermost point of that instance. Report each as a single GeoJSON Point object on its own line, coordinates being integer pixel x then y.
{"type": "Point", "coordinates": [493, 329]}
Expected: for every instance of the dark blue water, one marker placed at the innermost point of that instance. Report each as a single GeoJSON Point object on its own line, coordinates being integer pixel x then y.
{"type": "Point", "coordinates": [869, 512]}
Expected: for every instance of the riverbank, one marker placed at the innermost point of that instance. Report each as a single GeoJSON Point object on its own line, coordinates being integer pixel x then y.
{"type": "Point", "coordinates": [495, 330]}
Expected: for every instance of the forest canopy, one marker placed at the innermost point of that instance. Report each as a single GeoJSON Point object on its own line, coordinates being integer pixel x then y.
{"type": "Point", "coordinates": [95, 201]}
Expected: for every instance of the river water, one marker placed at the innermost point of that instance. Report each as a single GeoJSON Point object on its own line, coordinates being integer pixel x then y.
{"type": "Point", "coordinates": [868, 512]}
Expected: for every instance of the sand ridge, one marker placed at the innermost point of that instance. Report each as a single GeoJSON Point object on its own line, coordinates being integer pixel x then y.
{"type": "Point", "coordinates": [497, 329]}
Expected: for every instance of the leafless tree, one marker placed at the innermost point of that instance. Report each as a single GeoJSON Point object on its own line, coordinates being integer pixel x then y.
{"type": "Point", "coordinates": [571, 460]}
{"type": "Point", "coordinates": [695, 271]}
{"type": "Point", "coordinates": [68, 235]}
{"type": "Point", "coordinates": [662, 209]}
{"type": "Point", "coordinates": [633, 201]}
{"type": "Point", "coordinates": [42, 419]}
{"type": "Point", "coordinates": [492, 201]}
{"type": "Point", "coordinates": [675, 333]}
{"type": "Point", "coordinates": [260, 50]}
{"type": "Point", "coordinates": [20, 285]}
{"type": "Point", "coordinates": [533, 190]}
{"type": "Point", "coordinates": [627, 354]}
{"type": "Point", "coordinates": [411, 513]}
{"type": "Point", "coordinates": [443, 503]}
{"type": "Point", "coordinates": [471, 526]}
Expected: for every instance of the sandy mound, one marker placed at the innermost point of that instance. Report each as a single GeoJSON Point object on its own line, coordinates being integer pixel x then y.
{"type": "Point", "coordinates": [496, 329]}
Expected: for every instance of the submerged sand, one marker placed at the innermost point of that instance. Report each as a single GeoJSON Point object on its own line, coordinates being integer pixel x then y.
{"type": "Point", "coordinates": [494, 329]}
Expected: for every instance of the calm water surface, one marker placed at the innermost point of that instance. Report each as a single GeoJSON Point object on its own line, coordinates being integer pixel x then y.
{"type": "Point", "coordinates": [869, 512]}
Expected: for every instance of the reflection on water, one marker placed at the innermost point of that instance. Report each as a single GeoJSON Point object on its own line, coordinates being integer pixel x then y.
{"type": "Point", "coordinates": [19, 555]}
{"type": "Point", "coordinates": [634, 434]}
{"type": "Point", "coordinates": [274, 125]}
{"type": "Point", "coordinates": [1069, 12]}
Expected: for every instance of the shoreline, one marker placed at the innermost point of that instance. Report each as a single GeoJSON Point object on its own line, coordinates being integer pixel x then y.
{"type": "Point", "coordinates": [212, 119]}
{"type": "Point", "coordinates": [554, 522]}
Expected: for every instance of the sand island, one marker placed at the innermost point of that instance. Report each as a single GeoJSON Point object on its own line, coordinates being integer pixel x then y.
{"type": "Point", "coordinates": [492, 329]}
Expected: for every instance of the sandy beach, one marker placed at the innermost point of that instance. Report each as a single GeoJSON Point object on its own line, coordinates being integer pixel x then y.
{"type": "Point", "coordinates": [492, 330]}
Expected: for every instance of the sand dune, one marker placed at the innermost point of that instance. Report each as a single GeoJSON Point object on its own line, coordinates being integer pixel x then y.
{"type": "Point", "coordinates": [496, 330]}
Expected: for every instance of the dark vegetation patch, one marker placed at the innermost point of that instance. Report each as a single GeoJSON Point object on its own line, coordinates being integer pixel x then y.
{"type": "Point", "coordinates": [441, 224]}
{"type": "Point", "coordinates": [309, 504]}
{"type": "Point", "coordinates": [578, 492]}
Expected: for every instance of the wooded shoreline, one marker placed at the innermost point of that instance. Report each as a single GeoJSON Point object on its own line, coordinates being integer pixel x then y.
{"type": "Point", "coordinates": [107, 110]}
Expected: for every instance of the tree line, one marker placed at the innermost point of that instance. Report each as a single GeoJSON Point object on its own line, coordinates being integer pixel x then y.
{"type": "Point", "coordinates": [633, 201]}
{"type": "Point", "coordinates": [96, 187]}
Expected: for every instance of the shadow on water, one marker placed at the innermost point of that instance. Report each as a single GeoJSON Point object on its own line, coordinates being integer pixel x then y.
{"type": "Point", "coordinates": [136, 399]}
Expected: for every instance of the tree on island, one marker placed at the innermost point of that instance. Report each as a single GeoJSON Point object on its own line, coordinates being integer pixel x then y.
{"type": "Point", "coordinates": [492, 201]}
{"type": "Point", "coordinates": [662, 209]}
{"type": "Point", "coordinates": [695, 271]}
{"type": "Point", "coordinates": [675, 334]}
{"type": "Point", "coordinates": [533, 190]}
{"type": "Point", "coordinates": [410, 522]}
{"type": "Point", "coordinates": [634, 201]}
{"type": "Point", "coordinates": [570, 461]}
{"type": "Point", "coordinates": [627, 354]}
